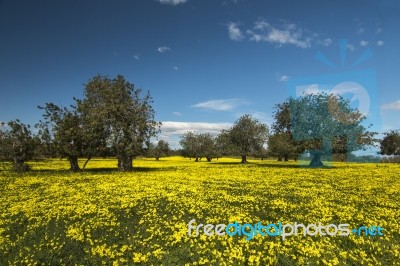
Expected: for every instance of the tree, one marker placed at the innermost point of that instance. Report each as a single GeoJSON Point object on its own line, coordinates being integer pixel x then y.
{"type": "Point", "coordinates": [64, 128]}
{"type": "Point", "coordinates": [161, 149]}
{"type": "Point", "coordinates": [207, 146]}
{"type": "Point", "coordinates": [281, 144]}
{"type": "Point", "coordinates": [16, 144]}
{"type": "Point", "coordinates": [119, 111]}
{"type": "Point", "coordinates": [198, 145]}
{"type": "Point", "coordinates": [247, 136]}
{"type": "Point", "coordinates": [326, 123]}
{"type": "Point", "coordinates": [390, 144]}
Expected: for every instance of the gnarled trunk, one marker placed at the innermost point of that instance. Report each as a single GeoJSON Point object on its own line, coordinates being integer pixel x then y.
{"type": "Point", "coordinates": [209, 159]}
{"type": "Point", "coordinates": [244, 159]}
{"type": "Point", "coordinates": [73, 162]}
{"type": "Point", "coordinates": [316, 160]}
{"type": "Point", "coordinates": [197, 159]}
{"type": "Point", "coordinates": [125, 163]}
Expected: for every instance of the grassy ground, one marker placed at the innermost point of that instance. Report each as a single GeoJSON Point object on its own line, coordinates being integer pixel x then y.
{"type": "Point", "coordinates": [53, 217]}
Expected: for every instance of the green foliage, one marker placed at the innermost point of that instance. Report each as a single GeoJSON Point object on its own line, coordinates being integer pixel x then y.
{"type": "Point", "coordinates": [16, 144]}
{"type": "Point", "coordinates": [325, 124]}
{"type": "Point", "coordinates": [247, 136]}
{"type": "Point", "coordinates": [119, 113]}
{"type": "Point", "coordinates": [64, 130]}
{"type": "Point", "coordinates": [281, 144]}
{"type": "Point", "coordinates": [199, 145]}
{"type": "Point", "coordinates": [160, 150]}
{"type": "Point", "coordinates": [390, 144]}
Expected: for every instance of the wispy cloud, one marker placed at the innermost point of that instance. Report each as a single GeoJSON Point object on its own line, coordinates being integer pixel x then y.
{"type": "Point", "coordinates": [175, 68]}
{"type": "Point", "coordinates": [380, 43]}
{"type": "Point", "coordinates": [163, 49]}
{"type": "Point", "coordinates": [172, 2]}
{"type": "Point", "coordinates": [177, 113]}
{"type": "Point", "coordinates": [363, 43]}
{"type": "Point", "coordinates": [326, 42]}
{"type": "Point", "coordinates": [282, 78]}
{"type": "Point", "coordinates": [179, 128]}
{"type": "Point", "coordinates": [220, 105]}
{"type": "Point", "coordinates": [283, 34]}
{"type": "Point", "coordinates": [234, 32]}
{"type": "Point", "coordinates": [360, 30]}
{"type": "Point", "coordinates": [136, 56]}
{"type": "Point", "coordinates": [391, 106]}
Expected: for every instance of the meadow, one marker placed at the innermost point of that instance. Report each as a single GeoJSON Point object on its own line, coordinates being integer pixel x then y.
{"type": "Point", "coordinates": [100, 216]}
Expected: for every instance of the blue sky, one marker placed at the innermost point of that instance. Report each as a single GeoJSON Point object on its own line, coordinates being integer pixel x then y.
{"type": "Point", "coordinates": [205, 62]}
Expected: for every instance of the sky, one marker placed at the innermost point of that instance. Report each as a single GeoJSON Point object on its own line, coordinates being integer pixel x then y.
{"type": "Point", "coordinates": [205, 62]}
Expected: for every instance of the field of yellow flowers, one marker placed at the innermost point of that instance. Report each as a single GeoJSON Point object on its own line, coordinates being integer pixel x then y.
{"type": "Point", "coordinates": [50, 216]}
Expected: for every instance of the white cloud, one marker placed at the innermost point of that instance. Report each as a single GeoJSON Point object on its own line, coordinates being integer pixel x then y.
{"type": "Point", "coordinates": [177, 113]}
{"type": "Point", "coordinates": [391, 106]}
{"type": "Point", "coordinates": [175, 68]}
{"type": "Point", "coordinates": [163, 49]}
{"type": "Point", "coordinates": [220, 105]}
{"type": "Point", "coordinates": [234, 32]}
{"type": "Point", "coordinates": [137, 57]}
{"type": "Point", "coordinates": [169, 128]}
{"type": "Point", "coordinates": [326, 42]}
{"type": "Point", "coordinates": [363, 43]}
{"type": "Point", "coordinates": [172, 2]}
{"type": "Point", "coordinates": [285, 34]}
{"type": "Point", "coordinates": [282, 78]}
{"type": "Point", "coordinates": [380, 43]}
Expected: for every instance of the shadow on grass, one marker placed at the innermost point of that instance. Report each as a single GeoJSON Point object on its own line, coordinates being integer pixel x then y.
{"type": "Point", "coordinates": [99, 170]}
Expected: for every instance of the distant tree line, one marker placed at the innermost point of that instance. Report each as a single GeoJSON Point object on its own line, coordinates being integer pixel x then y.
{"type": "Point", "coordinates": [115, 119]}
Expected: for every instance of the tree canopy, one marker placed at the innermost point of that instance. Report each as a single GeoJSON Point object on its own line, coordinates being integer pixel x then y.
{"type": "Point", "coordinates": [16, 144]}
{"type": "Point", "coordinates": [390, 144]}
{"type": "Point", "coordinates": [326, 123]}
{"type": "Point", "coordinates": [247, 136]}
{"type": "Point", "coordinates": [118, 111]}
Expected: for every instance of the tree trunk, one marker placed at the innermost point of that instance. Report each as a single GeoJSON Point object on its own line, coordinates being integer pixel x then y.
{"type": "Point", "coordinates": [20, 166]}
{"type": "Point", "coordinates": [84, 165]}
{"type": "Point", "coordinates": [197, 159]}
{"type": "Point", "coordinates": [316, 160]}
{"type": "Point", "coordinates": [286, 158]}
{"type": "Point", "coordinates": [125, 163]}
{"type": "Point", "coordinates": [209, 159]}
{"type": "Point", "coordinates": [73, 162]}
{"type": "Point", "coordinates": [279, 159]}
{"type": "Point", "coordinates": [244, 159]}
{"type": "Point", "coordinates": [157, 158]}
